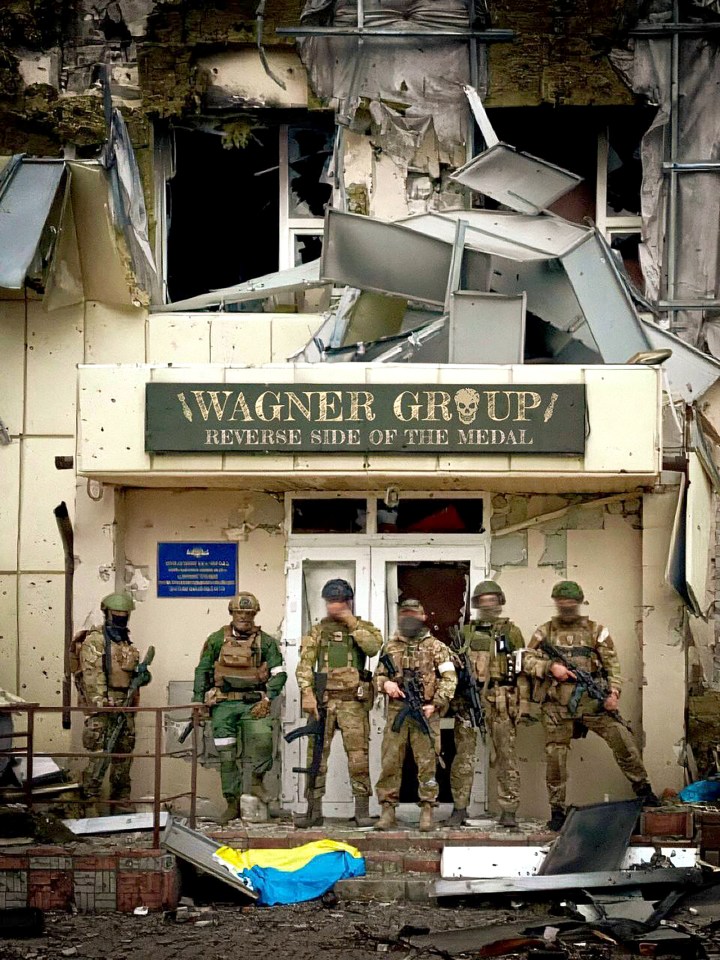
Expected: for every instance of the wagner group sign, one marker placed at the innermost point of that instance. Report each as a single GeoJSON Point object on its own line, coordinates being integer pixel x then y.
{"type": "Point", "coordinates": [381, 418]}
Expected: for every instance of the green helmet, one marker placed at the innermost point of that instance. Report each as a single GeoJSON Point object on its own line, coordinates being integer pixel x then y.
{"type": "Point", "coordinates": [244, 602]}
{"type": "Point", "coordinates": [410, 604]}
{"type": "Point", "coordinates": [567, 590]}
{"type": "Point", "coordinates": [121, 602]}
{"type": "Point", "coordinates": [487, 586]}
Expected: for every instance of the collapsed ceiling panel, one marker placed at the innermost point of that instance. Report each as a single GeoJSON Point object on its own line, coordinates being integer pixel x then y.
{"type": "Point", "coordinates": [517, 180]}
{"type": "Point", "coordinates": [27, 192]}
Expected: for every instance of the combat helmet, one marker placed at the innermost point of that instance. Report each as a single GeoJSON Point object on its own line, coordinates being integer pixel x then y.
{"type": "Point", "coordinates": [487, 586]}
{"type": "Point", "coordinates": [244, 603]}
{"type": "Point", "coordinates": [119, 602]}
{"type": "Point", "coordinates": [337, 590]}
{"type": "Point", "coordinates": [567, 590]}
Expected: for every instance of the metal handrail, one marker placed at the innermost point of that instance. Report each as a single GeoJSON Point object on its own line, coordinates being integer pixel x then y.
{"type": "Point", "coordinates": [31, 710]}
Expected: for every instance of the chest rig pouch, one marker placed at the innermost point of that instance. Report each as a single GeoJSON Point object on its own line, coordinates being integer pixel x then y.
{"type": "Point", "coordinates": [418, 657]}
{"type": "Point", "coordinates": [488, 663]}
{"type": "Point", "coordinates": [577, 642]}
{"type": "Point", "coordinates": [343, 661]}
{"type": "Point", "coordinates": [124, 657]}
{"type": "Point", "coordinates": [239, 665]}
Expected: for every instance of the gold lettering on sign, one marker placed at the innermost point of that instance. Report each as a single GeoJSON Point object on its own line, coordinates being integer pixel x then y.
{"type": "Point", "coordinates": [361, 400]}
{"type": "Point", "coordinates": [214, 401]}
{"type": "Point", "coordinates": [261, 411]}
{"type": "Point", "coordinates": [492, 404]}
{"type": "Point", "coordinates": [526, 400]}
{"type": "Point", "coordinates": [404, 412]}
{"type": "Point", "coordinates": [437, 400]}
{"type": "Point", "coordinates": [242, 408]}
{"type": "Point", "coordinates": [295, 401]}
{"type": "Point", "coordinates": [328, 405]}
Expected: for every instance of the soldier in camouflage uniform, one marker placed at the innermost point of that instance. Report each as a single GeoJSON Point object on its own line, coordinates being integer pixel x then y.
{"type": "Point", "coordinates": [108, 659]}
{"type": "Point", "coordinates": [240, 673]}
{"type": "Point", "coordinates": [414, 648]}
{"type": "Point", "coordinates": [339, 647]}
{"type": "Point", "coordinates": [505, 695]}
{"type": "Point", "coordinates": [590, 647]}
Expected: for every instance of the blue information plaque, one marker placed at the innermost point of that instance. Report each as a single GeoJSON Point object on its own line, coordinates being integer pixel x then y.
{"type": "Point", "coordinates": [196, 569]}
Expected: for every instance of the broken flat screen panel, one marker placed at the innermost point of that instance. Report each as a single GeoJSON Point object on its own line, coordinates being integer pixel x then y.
{"type": "Point", "coordinates": [26, 199]}
{"type": "Point", "coordinates": [486, 327]}
{"type": "Point", "coordinates": [517, 180]}
{"type": "Point", "coordinates": [593, 838]}
{"type": "Point", "coordinates": [390, 258]}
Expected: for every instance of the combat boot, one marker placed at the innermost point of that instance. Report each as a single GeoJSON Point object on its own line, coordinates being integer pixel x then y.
{"type": "Point", "coordinates": [387, 819]}
{"type": "Point", "coordinates": [426, 818]}
{"type": "Point", "coordinates": [362, 812]}
{"type": "Point", "coordinates": [644, 792]}
{"type": "Point", "coordinates": [508, 820]}
{"type": "Point", "coordinates": [313, 815]}
{"type": "Point", "coordinates": [457, 817]}
{"type": "Point", "coordinates": [231, 812]}
{"type": "Point", "coordinates": [259, 790]}
{"type": "Point", "coordinates": [557, 819]}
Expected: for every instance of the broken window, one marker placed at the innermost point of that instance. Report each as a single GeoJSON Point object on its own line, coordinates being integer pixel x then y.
{"type": "Point", "coordinates": [431, 516]}
{"type": "Point", "coordinates": [331, 515]}
{"type": "Point", "coordinates": [247, 197]}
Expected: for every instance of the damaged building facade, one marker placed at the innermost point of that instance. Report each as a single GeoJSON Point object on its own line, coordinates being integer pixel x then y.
{"type": "Point", "coordinates": [375, 291]}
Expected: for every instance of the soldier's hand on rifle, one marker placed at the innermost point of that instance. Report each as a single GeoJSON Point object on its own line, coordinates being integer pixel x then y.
{"type": "Point", "coordinates": [308, 703]}
{"type": "Point", "coordinates": [560, 672]}
{"type": "Point", "coordinates": [611, 701]}
{"type": "Point", "coordinates": [391, 688]}
{"type": "Point", "coordinates": [261, 709]}
{"type": "Point", "coordinates": [428, 710]}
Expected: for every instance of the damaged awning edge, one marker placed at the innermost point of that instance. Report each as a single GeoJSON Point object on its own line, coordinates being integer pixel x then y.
{"type": "Point", "coordinates": [304, 277]}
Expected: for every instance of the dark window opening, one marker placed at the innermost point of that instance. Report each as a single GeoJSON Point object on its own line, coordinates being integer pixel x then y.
{"type": "Point", "coordinates": [224, 225]}
{"type": "Point", "coordinates": [431, 516]}
{"type": "Point", "coordinates": [329, 516]}
{"type": "Point", "coordinates": [409, 782]}
{"type": "Point", "coordinates": [309, 152]}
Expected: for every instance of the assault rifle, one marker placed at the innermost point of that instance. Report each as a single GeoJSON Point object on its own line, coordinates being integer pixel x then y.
{"type": "Point", "coordinates": [585, 683]}
{"type": "Point", "coordinates": [141, 678]}
{"type": "Point", "coordinates": [316, 730]}
{"type": "Point", "coordinates": [412, 709]}
{"type": "Point", "coordinates": [468, 686]}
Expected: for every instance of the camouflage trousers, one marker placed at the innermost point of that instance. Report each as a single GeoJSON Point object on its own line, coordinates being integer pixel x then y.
{"type": "Point", "coordinates": [500, 721]}
{"type": "Point", "coordinates": [395, 746]}
{"type": "Point", "coordinates": [97, 729]}
{"type": "Point", "coordinates": [351, 718]}
{"type": "Point", "coordinates": [241, 742]}
{"type": "Point", "coordinates": [559, 725]}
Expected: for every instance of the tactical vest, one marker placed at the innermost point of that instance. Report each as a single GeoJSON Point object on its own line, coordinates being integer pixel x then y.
{"type": "Point", "coordinates": [239, 665]}
{"type": "Point", "coordinates": [124, 657]}
{"type": "Point", "coordinates": [339, 657]}
{"type": "Point", "coordinates": [480, 643]}
{"type": "Point", "coordinates": [577, 642]}
{"type": "Point", "coordinates": [417, 655]}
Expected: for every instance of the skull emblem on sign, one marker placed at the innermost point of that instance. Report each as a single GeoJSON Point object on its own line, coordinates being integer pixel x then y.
{"type": "Point", "coordinates": [467, 401]}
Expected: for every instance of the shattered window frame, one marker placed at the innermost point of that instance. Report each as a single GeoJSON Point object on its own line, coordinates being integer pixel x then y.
{"type": "Point", "coordinates": [292, 227]}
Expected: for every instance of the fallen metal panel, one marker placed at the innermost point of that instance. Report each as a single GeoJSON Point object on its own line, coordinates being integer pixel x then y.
{"type": "Point", "coordinates": [391, 258]}
{"type": "Point", "coordinates": [606, 304]}
{"type": "Point", "coordinates": [517, 180]}
{"type": "Point", "coordinates": [468, 939]}
{"type": "Point", "coordinates": [514, 236]}
{"type": "Point", "coordinates": [618, 879]}
{"type": "Point", "coordinates": [699, 530]}
{"type": "Point", "coordinates": [198, 850]}
{"type": "Point", "coordinates": [485, 863]}
{"type": "Point", "coordinates": [27, 193]}
{"type": "Point", "coordinates": [594, 838]}
{"type": "Point", "coordinates": [124, 823]}
{"type": "Point", "coordinates": [690, 371]}
{"type": "Point", "coordinates": [486, 327]}
{"type": "Point", "coordinates": [304, 277]}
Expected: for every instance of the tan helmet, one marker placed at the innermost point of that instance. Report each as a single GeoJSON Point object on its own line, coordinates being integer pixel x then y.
{"type": "Point", "coordinates": [410, 604]}
{"type": "Point", "coordinates": [244, 603]}
{"type": "Point", "coordinates": [120, 602]}
{"type": "Point", "coordinates": [486, 587]}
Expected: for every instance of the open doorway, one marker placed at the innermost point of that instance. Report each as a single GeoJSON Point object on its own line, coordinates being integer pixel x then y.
{"type": "Point", "coordinates": [442, 588]}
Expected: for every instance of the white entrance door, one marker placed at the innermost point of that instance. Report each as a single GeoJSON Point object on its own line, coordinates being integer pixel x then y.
{"type": "Point", "coordinates": [372, 569]}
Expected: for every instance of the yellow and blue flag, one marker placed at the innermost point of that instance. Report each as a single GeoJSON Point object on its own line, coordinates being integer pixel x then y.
{"type": "Point", "coordinates": [295, 874]}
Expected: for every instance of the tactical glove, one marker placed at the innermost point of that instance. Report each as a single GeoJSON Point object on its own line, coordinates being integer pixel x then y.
{"type": "Point", "coordinates": [261, 709]}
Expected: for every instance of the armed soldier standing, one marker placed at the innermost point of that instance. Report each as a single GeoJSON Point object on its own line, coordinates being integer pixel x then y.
{"type": "Point", "coordinates": [413, 655]}
{"type": "Point", "coordinates": [108, 660]}
{"type": "Point", "coordinates": [487, 654]}
{"type": "Point", "coordinates": [338, 648]}
{"type": "Point", "coordinates": [588, 647]}
{"type": "Point", "coordinates": [240, 672]}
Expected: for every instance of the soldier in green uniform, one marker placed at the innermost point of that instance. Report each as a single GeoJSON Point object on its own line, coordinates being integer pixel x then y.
{"type": "Point", "coordinates": [490, 642]}
{"type": "Point", "coordinates": [413, 648]}
{"type": "Point", "coordinates": [589, 646]}
{"type": "Point", "coordinates": [339, 646]}
{"type": "Point", "coordinates": [240, 673]}
{"type": "Point", "coordinates": [107, 660]}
